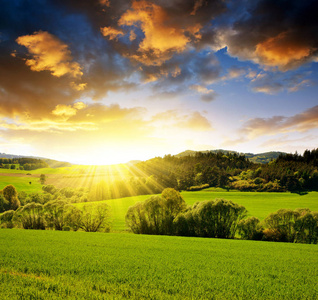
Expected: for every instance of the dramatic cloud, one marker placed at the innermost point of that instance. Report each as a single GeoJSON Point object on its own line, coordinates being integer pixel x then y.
{"type": "Point", "coordinates": [160, 30]}
{"type": "Point", "coordinates": [278, 34]}
{"type": "Point", "coordinates": [282, 51]}
{"type": "Point", "coordinates": [144, 74]}
{"type": "Point", "coordinates": [111, 33]}
{"type": "Point", "coordinates": [49, 53]}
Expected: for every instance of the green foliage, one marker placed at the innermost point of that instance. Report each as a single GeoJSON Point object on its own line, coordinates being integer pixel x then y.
{"type": "Point", "coordinates": [306, 227]}
{"type": "Point", "coordinates": [30, 216]}
{"type": "Point", "coordinates": [43, 178]}
{"type": "Point", "coordinates": [94, 218]}
{"type": "Point", "coordinates": [6, 219]}
{"type": "Point", "coordinates": [4, 204]}
{"type": "Point", "coordinates": [156, 214]}
{"type": "Point", "coordinates": [250, 229]}
{"type": "Point", "coordinates": [25, 162]}
{"type": "Point", "coordinates": [10, 194]}
{"type": "Point", "coordinates": [198, 187]}
{"type": "Point", "coordinates": [56, 214]}
{"type": "Point", "coordinates": [285, 225]}
{"type": "Point", "coordinates": [50, 188]}
{"type": "Point", "coordinates": [215, 218]}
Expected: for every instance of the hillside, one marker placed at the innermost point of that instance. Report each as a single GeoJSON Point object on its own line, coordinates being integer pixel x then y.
{"type": "Point", "coordinates": [51, 162]}
{"type": "Point", "coordinates": [261, 158]}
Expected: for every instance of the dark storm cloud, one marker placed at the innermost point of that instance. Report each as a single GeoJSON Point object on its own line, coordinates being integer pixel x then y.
{"type": "Point", "coordinates": [276, 33]}
{"type": "Point", "coordinates": [164, 42]}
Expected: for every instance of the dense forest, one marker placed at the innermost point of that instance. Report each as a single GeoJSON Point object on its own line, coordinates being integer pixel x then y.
{"type": "Point", "coordinates": [289, 172]}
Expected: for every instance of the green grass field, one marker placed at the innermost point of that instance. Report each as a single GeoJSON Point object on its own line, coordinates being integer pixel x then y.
{"type": "Point", "coordinates": [75, 176]}
{"type": "Point", "coordinates": [258, 204]}
{"type": "Point", "coordinates": [22, 183]}
{"type": "Point", "coordinates": [79, 265]}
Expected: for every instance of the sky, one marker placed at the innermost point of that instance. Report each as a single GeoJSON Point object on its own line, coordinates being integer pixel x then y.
{"type": "Point", "coordinates": [109, 81]}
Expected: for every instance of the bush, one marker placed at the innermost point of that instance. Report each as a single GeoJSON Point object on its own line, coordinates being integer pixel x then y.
{"type": "Point", "coordinates": [6, 219]}
{"type": "Point", "coordinates": [216, 218]}
{"type": "Point", "coordinates": [30, 216]}
{"type": "Point", "coordinates": [250, 229]}
{"type": "Point", "coordinates": [273, 235]}
{"type": "Point", "coordinates": [244, 185]}
{"type": "Point", "coordinates": [306, 227]}
{"type": "Point", "coordinates": [283, 222]}
{"type": "Point", "coordinates": [93, 218]}
{"type": "Point", "coordinates": [198, 187]}
{"type": "Point", "coordinates": [156, 214]}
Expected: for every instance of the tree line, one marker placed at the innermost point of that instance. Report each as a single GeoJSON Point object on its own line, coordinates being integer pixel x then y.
{"type": "Point", "coordinates": [168, 214]}
{"type": "Point", "coordinates": [165, 214]}
{"type": "Point", "coordinates": [51, 210]}
{"type": "Point", "coordinates": [23, 163]}
{"type": "Point", "coordinates": [289, 172]}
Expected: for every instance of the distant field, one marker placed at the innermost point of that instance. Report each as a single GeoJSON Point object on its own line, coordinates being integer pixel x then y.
{"type": "Point", "coordinates": [79, 265]}
{"type": "Point", "coordinates": [22, 183]}
{"type": "Point", "coordinates": [75, 176]}
{"type": "Point", "coordinates": [257, 204]}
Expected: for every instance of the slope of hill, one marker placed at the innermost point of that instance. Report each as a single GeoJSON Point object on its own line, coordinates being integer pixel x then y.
{"type": "Point", "coordinates": [51, 162]}
{"type": "Point", "coordinates": [261, 158]}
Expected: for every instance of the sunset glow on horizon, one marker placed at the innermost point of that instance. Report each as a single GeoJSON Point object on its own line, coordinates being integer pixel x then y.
{"type": "Point", "coordinates": [108, 81]}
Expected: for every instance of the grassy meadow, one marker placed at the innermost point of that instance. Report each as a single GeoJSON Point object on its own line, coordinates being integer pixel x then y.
{"type": "Point", "coordinates": [22, 183]}
{"type": "Point", "coordinates": [78, 265]}
{"type": "Point", "coordinates": [75, 176]}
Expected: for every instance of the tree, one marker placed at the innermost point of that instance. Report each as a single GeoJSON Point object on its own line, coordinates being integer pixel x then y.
{"type": "Point", "coordinates": [6, 219]}
{"type": "Point", "coordinates": [215, 218]}
{"type": "Point", "coordinates": [30, 216]}
{"type": "Point", "coordinates": [283, 222]}
{"type": "Point", "coordinates": [42, 179]}
{"type": "Point", "coordinates": [50, 188]}
{"type": "Point", "coordinates": [95, 218]}
{"type": "Point", "coordinates": [250, 229]}
{"type": "Point", "coordinates": [4, 204]}
{"type": "Point", "coordinates": [156, 214]}
{"type": "Point", "coordinates": [306, 227]}
{"type": "Point", "coordinates": [11, 195]}
{"type": "Point", "coordinates": [55, 214]}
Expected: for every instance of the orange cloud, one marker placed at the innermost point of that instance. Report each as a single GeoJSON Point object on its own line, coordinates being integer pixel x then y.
{"type": "Point", "coordinates": [161, 39]}
{"type": "Point", "coordinates": [111, 33]}
{"type": "Point", "coordinates": [49, 54]}
{"type": "Point", "coordinates": [282, 51]}
{"type": "Point", "coordinates": [64, 110]}
{"type": "Point", "coordinates": [105, 2]}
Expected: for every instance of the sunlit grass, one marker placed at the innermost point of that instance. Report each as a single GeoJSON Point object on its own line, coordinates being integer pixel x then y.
{"type": "Point", "coordinates": [79, 265]}
{"type": "Point", "coordinates": [22, 183]}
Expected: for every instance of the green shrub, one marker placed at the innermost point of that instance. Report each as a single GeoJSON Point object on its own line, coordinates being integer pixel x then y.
{"type": "Point", "coordinates": [250, 229]}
